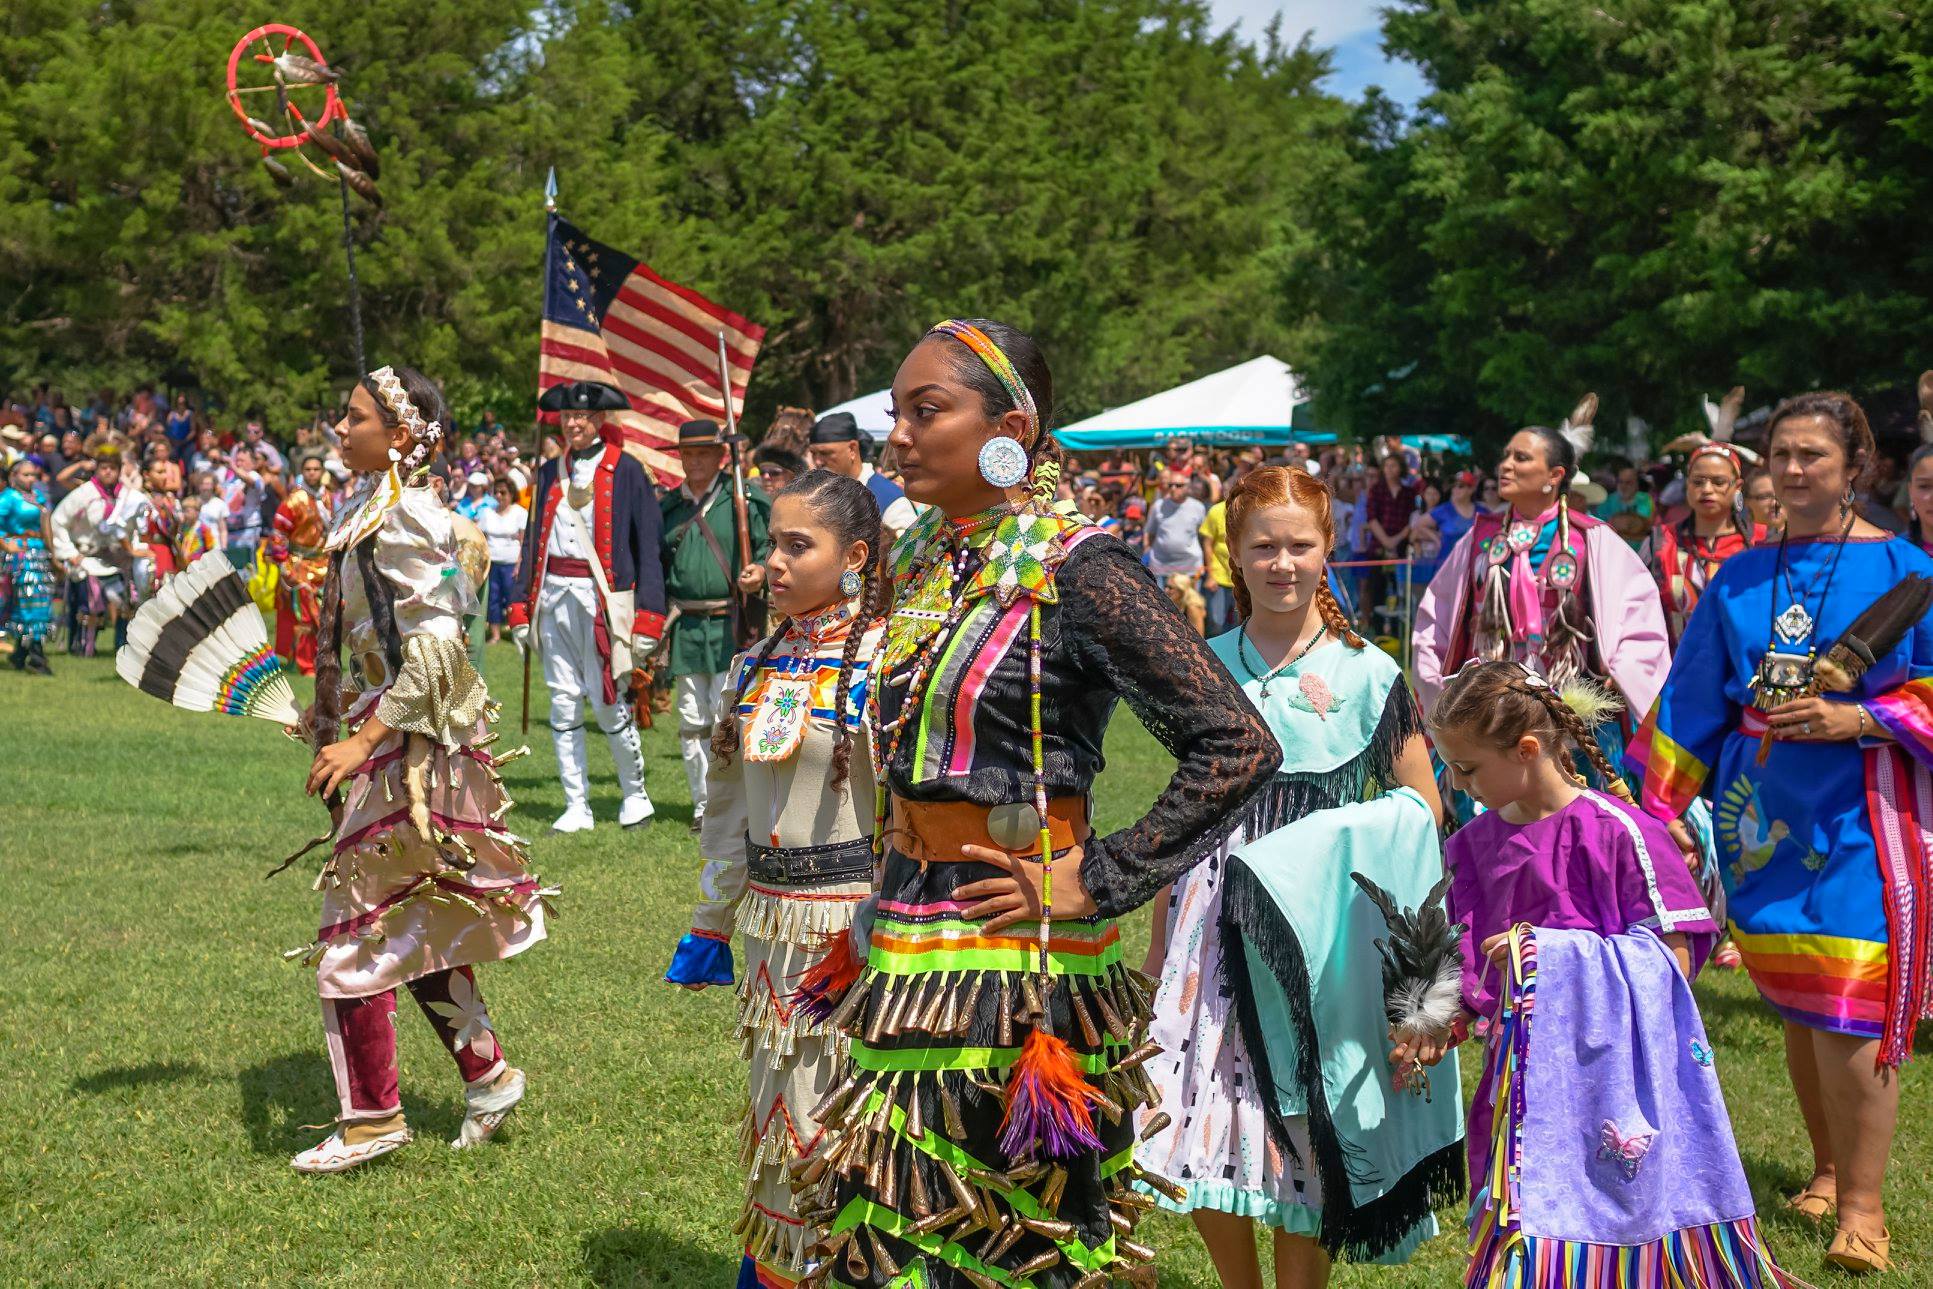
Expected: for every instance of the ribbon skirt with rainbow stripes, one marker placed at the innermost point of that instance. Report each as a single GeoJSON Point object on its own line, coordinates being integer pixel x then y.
{"type": "Point", "coordinates": [910, 1180]}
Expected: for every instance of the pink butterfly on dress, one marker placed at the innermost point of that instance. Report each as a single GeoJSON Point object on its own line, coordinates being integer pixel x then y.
{"type": "Point", "coordinates": [1625, 1152]}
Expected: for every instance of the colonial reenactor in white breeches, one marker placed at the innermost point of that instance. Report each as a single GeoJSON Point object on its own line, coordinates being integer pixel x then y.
{"type": "Point", "coordinates": [591, 581]}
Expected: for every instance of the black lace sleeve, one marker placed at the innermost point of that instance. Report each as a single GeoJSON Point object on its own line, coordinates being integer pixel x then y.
{"type": "Point", "coordinates": [1126, 633]}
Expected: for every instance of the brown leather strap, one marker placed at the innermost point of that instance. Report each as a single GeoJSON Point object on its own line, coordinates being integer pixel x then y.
{"type": "Point", "coordinates": [933, 832]}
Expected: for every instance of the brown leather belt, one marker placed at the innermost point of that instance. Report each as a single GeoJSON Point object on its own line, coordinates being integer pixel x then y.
{"type": "Point", "coordinates": [933, 832]}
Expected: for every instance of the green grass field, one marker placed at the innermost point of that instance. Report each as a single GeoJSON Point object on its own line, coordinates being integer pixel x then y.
{"type": "Point", "coordinates": [158, 1060]}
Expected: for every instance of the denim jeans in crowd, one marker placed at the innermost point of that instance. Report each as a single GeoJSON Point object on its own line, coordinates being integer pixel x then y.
{"type": "Point", "coordinates": [1221, 608]}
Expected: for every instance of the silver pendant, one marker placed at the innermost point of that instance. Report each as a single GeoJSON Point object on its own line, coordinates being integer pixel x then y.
{"type": "Point", "coordinates": [1014, 825]}
{"type": "Point", "coordinates": [1793, 625]}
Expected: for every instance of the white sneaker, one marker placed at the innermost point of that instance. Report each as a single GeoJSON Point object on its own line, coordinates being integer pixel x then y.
{"type": "Point", "coordinates": [488, 1107]}
{"type": "Point", "coordinates": [337, 1156]}
{"type": "Point", "coordinates": [576, 818]}
{"type": "Point", "coordinates": [636, 810]}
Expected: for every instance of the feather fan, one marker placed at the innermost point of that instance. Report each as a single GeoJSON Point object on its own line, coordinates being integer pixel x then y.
{"type": "Point", "coordinates": [200, 643]}
{"type": "Point", "coordinates": [1422, 962]}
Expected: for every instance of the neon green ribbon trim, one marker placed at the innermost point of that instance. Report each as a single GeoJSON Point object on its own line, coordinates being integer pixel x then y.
{"type": "Point", "coordinates": [1024, 960]}
{"type": "Point", "coordinates": [926, 1059]}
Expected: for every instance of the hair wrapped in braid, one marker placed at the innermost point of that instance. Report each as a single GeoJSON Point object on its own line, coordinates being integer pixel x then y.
{"type": "Point", "coordinates": [1276, 485]}
{"type": "Point", "coordinates": [850, 514]}
{"type": "Point", "coordinates": [1501, 702]}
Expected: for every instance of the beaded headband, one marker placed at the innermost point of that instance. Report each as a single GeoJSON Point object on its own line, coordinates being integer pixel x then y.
{"type": "Point", "coordinates": [998, 363]}
{"type": "Point", "coordinates": [1730, 452]}
{"type": "Point", "coordinates": [423, 433]}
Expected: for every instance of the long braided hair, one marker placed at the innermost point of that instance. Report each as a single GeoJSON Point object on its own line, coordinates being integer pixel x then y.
{"type": "Point", "coordinates": [1501, 702]}
{"type": "Point", "coordinates": [850, 513]}
{"type": "Point", "coordinates": [1276, 485]}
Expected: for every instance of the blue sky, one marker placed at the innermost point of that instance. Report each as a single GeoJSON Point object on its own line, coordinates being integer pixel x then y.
{"type": "Point", "coordinates": [1347, 26]}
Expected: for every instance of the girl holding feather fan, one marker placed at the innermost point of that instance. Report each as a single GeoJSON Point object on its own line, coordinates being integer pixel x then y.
{"type": "Point", "coordinates": [1277, 1105]}
{"type": "Point", "coordinates": [1801, 704]}
{"type": "Point", "coordinates": [422, 880]}
{"type": "Point", "coordinates": [1600, 1150]}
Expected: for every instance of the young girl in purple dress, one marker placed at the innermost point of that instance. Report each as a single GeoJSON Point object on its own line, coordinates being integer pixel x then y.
{"type": "Point", "coordinates": [1601, 1155]}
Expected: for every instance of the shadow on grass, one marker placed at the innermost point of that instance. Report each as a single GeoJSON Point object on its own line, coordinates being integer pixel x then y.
{"type": "Point", "coordinates": [136, 1076]}
{"type": "Point", "coordinates": [281, 1094]}
{"type": "Point", "coordinates": [645, 1256]}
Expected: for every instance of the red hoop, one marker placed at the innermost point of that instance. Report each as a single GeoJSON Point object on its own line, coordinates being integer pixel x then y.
{"type": "Point", "coordinates": [331, 105]}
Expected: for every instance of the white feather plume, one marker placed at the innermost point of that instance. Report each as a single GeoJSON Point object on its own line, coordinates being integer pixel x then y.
{"type": "Point", "coordinates": [1579, 428]}
{"type": "Point", "coordinates": [1427, 1008]}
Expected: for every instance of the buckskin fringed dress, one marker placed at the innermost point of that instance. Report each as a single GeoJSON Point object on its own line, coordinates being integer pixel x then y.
{"type": "Point", "coordinates": [788, 858]}
{"type": "Point", "coordinates": [1823, 846]}
{"type": "Point", "coordinates": [1342, 716]}
{"type": "Point", "coordinates": [423, 880]}
{"type": "Point", "coordinates": [912, 1175]}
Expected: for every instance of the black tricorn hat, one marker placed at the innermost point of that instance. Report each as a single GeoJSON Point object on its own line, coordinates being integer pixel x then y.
{"type": "Point", "coordinates": [583, 396]}
{"type": "Point", "coordinates": [840, 427]}
{"type": "Point", "coordinates": [700, 434]}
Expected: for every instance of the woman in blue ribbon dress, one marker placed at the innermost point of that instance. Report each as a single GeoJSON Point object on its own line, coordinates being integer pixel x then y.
{"type": "Point", "coordinates": [1820, 802]}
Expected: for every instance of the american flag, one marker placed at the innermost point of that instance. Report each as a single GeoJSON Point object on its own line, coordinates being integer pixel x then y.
{"type": "Point", "coordinates": [608, 317]}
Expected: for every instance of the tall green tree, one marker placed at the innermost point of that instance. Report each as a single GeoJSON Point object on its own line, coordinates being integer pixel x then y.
{"type": "Point", "coordinates": [1650, 199]}
{"type": "Point", "coordinates": [1114, 174]}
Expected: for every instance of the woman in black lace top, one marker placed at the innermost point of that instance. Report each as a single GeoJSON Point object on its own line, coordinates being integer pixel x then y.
{"type": "Point", "coordinates": [984, 1121]}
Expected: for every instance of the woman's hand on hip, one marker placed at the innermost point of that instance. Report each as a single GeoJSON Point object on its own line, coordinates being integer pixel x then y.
{"type": "Point", "coordinates": [1017, 896]}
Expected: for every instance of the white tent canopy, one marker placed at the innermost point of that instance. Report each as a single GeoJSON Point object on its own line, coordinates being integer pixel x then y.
{"type": "Point", "coordinates": [870, 411]}
{"type": "Point", "coordinates": [1248, 403]}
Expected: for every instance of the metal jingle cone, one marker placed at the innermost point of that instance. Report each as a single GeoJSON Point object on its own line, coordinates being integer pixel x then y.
{"type": "Point", "coordinates": [1052, 1228]}
{"type": "Point", "coordinates": [1004, 1017]}
{"type": "Point", "coordinates": [1156, 1122]}
{"type": "Point", "coordinates": [915, 1123]}
{"type": "Point", "coordinates": [881, 1258]}
{"type": "Point", "coordinates": [856, 1262]}
{"type": "Point", "coordinates": [918, 1198]}
{"type": "Point", "coordinates": [1033, 1010]}
{"type": "Point", "coordinates": [965, 1019]}
{"type": "Point", "coordinates": [950, 1115]}
{"type": "Point", "coordinates": [1082, 1016]}
{"type": "Point", "coordinates": [882, 1004]}
{"type": "Point", "coordinates": [1036, 1264]}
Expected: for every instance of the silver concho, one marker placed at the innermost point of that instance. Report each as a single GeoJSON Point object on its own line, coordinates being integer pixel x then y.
{"type": "Point", "coordinates": [1014, 825]}
{"type": "Point", "coordinates": [1003, 462]}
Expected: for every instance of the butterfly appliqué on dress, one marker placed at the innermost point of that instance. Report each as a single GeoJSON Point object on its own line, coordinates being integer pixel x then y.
{"type": "Point", "coordinates": [1626, 1152]}
{"type": "Point", "coordinates": [1701, 1054]}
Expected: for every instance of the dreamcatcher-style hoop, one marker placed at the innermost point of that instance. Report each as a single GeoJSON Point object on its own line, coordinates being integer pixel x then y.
{"type": "Point", "coordinates": [256, 67]}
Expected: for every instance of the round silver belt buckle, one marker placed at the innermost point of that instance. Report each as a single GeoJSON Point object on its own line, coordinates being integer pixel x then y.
{"type": "Point", "coordinates": [1014, 825]}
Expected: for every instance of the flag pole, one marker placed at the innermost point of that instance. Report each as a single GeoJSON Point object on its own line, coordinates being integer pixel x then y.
{"type": "Point", "coordinates": [537, 436]}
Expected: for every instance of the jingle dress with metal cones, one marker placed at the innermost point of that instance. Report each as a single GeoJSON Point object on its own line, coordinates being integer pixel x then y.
{"type": "Point", "coordinates": [787, 859]}
{"type": "Point", "coordinates": [947, 1160]}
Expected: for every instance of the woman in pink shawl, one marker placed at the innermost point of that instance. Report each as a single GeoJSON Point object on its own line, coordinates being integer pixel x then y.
{"type": "Point", "coordinates": [1545, 585]}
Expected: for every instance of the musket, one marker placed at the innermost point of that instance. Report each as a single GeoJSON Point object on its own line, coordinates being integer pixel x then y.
{"type": "Point", "coordinates": [745, 612]}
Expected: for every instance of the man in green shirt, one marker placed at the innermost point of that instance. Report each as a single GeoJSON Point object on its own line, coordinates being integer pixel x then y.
{"type": "Point", "coordinates": [703, 568]}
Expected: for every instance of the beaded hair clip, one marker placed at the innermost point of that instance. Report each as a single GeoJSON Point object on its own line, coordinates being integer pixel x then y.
{"type": "Point", "coordinates": [423, 433]}
{"type": "Point", "coordinates": [999, 364]}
